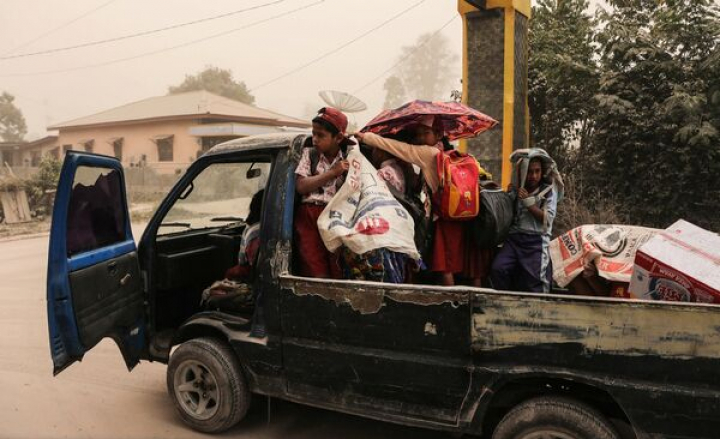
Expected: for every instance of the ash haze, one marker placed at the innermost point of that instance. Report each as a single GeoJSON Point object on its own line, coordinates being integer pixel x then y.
{"type": "Point", "coordinates": [254, 55]}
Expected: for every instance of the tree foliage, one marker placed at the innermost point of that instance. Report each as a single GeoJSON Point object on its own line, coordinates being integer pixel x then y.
{"type": "Point", "coordinates": [40, 184]}
{"type": "Point", "coordinates": [629, 104]}
{"type": "Point", "coordinates": [563, 78]}
{"type": "Point", "coordinates": [656, 143]}
{"type": "Point", "coordinates": [12, 122]}
{"type": "Point", "coordinates": [215, 80]}
{"type": "Point", "coordinates": [395, 94]}
{"type": "Point", "coordinates": [428, 67]}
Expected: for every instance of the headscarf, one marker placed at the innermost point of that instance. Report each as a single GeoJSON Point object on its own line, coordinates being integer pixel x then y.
{"type": "Point", "coordinates": [521, 159]}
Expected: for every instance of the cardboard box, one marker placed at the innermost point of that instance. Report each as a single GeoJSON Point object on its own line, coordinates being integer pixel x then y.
{"type": "Point", "coordinates": [681, 263]}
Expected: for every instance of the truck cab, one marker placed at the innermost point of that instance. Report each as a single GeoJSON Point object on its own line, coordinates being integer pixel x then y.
{"type": "Point", "coordinates": [461, 359]}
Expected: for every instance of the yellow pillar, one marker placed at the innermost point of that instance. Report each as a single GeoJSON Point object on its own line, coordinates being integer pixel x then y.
{"type": "Point", "coordinates": [495, 77]}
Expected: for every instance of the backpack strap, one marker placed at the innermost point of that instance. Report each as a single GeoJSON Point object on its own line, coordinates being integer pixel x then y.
{"type": "Point", "coordinates": [440, 159]}
{"type": "Point", "coordinates": [314, 160]}
{"type": "Point", "coordinates": [545, 191]}
{"type": "Point", "coordinates": [315, 157]}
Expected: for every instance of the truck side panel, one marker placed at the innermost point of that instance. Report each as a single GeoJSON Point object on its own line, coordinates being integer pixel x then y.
{"type": "Point", "coordinates": [659, 361]}
{"type": "Point", "coordinates": [380, 348]}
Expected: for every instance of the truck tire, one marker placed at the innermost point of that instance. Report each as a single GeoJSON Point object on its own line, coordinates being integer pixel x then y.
{"type": "Point", "coordinates": [207, 386]}
{"type": "Point", "coordinates": [554, 418]}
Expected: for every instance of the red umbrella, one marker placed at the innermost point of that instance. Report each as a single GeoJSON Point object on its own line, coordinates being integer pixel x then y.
{"type": "Point", "coordinates": [459, 121]}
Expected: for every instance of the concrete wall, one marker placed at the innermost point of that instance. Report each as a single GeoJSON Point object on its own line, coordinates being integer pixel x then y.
{"type": "Point", "coordinates": [138, 141]}
{"type": "Point", "coordinates": [25, 156]}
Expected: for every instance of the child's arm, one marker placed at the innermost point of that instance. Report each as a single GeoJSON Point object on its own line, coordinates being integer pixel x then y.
{"type": "Point", "coordinates": [420, 155]}
{"type": "Point", "coordinates": [535, 211]}
{"type": "Point", "coordinates": [306, 185]}
{"type": "Point", "coordinates": [416, 154]}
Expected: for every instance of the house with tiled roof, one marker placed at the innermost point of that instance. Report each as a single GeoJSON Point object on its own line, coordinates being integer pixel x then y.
{"type": "Point", "coordinates": [167, 132]}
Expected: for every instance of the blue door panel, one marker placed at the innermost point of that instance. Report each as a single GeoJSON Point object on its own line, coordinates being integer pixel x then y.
{"type": "Point", "coordinates": [93, 257]}
{"type": "Point", "coordinates": [65, 344]}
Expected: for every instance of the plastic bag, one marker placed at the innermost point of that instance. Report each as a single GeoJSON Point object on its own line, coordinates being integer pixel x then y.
{"type": "Point", "coordinates": [363, 215]}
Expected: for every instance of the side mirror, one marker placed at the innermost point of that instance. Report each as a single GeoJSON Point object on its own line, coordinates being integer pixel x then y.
{"type": "Point", "coordinates": [253, 173]}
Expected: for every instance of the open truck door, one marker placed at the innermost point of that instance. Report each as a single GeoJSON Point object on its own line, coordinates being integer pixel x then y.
{"type": "Point", "coordinates": [94, 289]}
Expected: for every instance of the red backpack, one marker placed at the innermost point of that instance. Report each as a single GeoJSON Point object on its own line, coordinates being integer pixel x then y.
{"type": "Point", "coordinates": [458, 194]}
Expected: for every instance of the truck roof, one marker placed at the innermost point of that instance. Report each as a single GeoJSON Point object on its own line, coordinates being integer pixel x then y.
{"type": "Point", "coordinates": [263, 141]}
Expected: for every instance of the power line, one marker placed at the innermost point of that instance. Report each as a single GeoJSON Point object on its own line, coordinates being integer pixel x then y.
{"type": "Point", "coordinates": [141, 34]}
{"type": "Point", "coordinates": [337, 49]}
{"type": "Point", "coordinates": [62, 26]}
{"type": "Point", "coordinates": [405, 58]}
{"type": "Point", "coordinates": [167, 49]}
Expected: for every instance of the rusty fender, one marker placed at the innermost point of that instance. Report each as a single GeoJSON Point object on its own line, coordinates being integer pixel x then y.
{"type": "Point", "coordinates": [369, 297]}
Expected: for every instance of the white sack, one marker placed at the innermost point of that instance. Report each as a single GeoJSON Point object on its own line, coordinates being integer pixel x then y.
{"type": "Point", "coordinates": [365, 216]}
{"type": "Point", "coordinates": [611, 247]}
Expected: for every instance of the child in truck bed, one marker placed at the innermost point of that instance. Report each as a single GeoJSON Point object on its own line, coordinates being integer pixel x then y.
{"type": "Point", "coordinates": [452, 250]}
{"type": "Point", "coordinates": [317, 181]}
{"type": "Point", "coordinates": [523, 263]}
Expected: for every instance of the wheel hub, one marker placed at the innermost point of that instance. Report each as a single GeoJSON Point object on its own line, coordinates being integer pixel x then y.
{"type": "Point", "coordinates": [196, 389]}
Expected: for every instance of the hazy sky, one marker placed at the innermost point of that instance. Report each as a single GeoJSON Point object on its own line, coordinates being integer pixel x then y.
{"type": "Point", "coordinates": [255, 54]}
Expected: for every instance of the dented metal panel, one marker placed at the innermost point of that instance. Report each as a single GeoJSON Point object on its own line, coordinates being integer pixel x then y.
{"type": "Point", "coordinates": [609, 327]}
{"type": "Point", "coordinates": [370, 297]}
{"type": "Point", "coordinates": [400, 350]}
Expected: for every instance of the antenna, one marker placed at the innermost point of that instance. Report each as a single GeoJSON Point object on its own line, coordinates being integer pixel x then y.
{"type": "Point", "coordinates": [342, 101]}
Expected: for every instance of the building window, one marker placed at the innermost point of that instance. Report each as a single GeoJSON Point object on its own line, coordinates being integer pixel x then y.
{"type": "Point", "coordinates": [55, 153]}
{"type": "Point", "coordinates": [165, 149]}
{"type": "Point", "coordinates": [117, 145]}
{"type": "Point", "coordinates": [87, 145]}
{"type": "Point", "coordinates": [35, 160]}
{"type": "Point", "coordinates": [207, 143]}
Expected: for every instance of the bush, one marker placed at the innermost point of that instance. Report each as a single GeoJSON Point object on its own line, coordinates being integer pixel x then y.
{"type": "Point", "coordinates": [575, 210]}
{"type": "Point", "coordinates": [41, 187]}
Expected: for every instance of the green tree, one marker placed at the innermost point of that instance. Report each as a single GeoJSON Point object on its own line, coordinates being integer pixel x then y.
{"type": "Point", "coordinates": [562, 78]}
{"type": "Point", "coordinates": [42, 183]}
{"type": "Point", "coordinates": [656, 145]}
{"type": "Point", "coordinates": [428, 68]}
{"type": "Point", "coordinates": [215, 80]}
{"type": "Point", "coordinates": [395, 94]}
{"type": "Point", "coordinates": [12, 122]}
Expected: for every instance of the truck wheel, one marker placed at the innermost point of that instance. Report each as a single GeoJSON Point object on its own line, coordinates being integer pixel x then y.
{"type": "Point", "coordinates": [554, 418]}
{"type": "Point", "coordinates": [207, 386]}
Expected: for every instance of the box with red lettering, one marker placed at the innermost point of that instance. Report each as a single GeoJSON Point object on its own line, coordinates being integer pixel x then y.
{"type": "Point", "coordinates": [681, 263]}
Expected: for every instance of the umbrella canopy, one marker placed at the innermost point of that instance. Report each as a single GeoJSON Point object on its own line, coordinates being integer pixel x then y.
{"type": "Point", "coordinates": [458, 121]}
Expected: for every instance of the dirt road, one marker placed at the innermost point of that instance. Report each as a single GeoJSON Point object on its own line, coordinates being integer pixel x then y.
{"type": "Point", "coordinates": [98, 398]}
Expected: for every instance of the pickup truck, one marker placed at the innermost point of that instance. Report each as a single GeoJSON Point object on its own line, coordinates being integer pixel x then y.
{"type": "Point", "coordinates": [506, 365]}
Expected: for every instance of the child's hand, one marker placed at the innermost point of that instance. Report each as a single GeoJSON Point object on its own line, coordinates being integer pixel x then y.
{"type": "Point", "coordinates": [358, 135]}
{"type": "Point", "coordinates": [340, 168]}
{"type": "Point", "coordinates": [523, 193]}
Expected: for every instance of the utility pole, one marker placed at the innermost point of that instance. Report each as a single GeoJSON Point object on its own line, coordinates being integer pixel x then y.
{"type": "Point", "coordinates": [495, 66]}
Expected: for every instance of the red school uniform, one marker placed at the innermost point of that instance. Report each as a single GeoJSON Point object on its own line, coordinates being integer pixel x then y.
{"type": "Point", "coordinates": [314, 259]}
{"type": "Point", "coordinates": [453, 249]}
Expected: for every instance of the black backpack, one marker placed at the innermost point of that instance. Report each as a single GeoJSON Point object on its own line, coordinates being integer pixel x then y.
{"type": "Point", "coordinates": [412, 202]}
{"type": "Point", "coordinates": [492, 225]}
